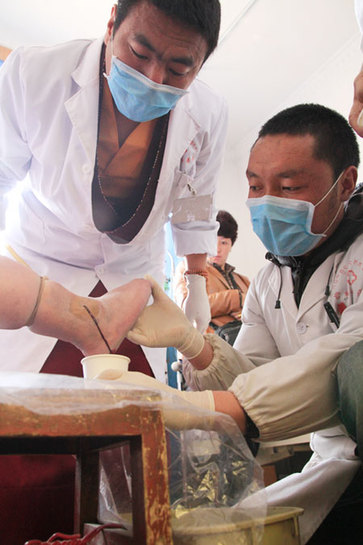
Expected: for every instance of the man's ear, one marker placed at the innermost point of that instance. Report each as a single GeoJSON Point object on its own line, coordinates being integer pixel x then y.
{"type": "Point", "coordinates": [347, 182]}
{"type": "Point", "coordinates": [110, 24]}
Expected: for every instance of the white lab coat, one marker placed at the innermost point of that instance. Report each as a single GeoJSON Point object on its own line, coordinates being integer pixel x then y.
{"type": "Point", "coordinates": [48, 132]}
{"type": "Point", "coordinates": [295, 392]}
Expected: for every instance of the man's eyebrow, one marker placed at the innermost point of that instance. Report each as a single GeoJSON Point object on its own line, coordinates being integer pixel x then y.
{"type": "Point", "coordinates": [291, 172]}
{"type": "Point", "coordinates": [251, 174]}
{"type": "Point", "coordinates": [283, 173]}
{"type": "Point", "coordinates": [187, 61]}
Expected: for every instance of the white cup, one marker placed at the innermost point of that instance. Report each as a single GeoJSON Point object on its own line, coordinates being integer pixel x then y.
{"type": "Point", "coordinates": [94, 365]}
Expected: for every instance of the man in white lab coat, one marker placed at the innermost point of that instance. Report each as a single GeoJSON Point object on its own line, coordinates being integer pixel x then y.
{"type": "Point", "coordinates": [302, 318]}
{"type": "Point", "coordinates": [112, 138]}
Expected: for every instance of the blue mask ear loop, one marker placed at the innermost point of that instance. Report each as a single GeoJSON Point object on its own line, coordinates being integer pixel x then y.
{"type": "Point", "coordinates": [325, 196]}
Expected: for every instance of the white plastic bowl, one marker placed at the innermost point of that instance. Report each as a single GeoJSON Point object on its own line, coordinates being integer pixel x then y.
{"type": "Point", "coordinates": [94, 365]}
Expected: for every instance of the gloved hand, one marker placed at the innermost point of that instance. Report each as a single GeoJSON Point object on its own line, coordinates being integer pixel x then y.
{"type": "Point", "coordinates": [164, 324]}
{"type": "Point", "coordinates": [176, 418]}
{"type": "Point", "coordinates": [196, 305]}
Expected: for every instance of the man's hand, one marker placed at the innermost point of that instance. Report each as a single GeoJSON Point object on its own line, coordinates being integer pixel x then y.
{"type": "Point", "coordinates": [176, 417]}
{"type": "Point", "coordinates": [356, 112]}
{"type": "Point", "coordinates": [164, 324]}
{"type": "Point", "coordinates": [189, 411]}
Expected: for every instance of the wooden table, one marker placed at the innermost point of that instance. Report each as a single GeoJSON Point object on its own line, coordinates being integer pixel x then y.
{"type": "Point", "coordinates": [132, 416]}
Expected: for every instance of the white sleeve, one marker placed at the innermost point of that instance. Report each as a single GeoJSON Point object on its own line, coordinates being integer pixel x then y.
{"type": "Point", "coordinates": [226, 365]}
{"type": "Point", "coordinates": [290, 396]}
{"type": "Point", "coordinates": [15, 155]}
{"type": "Point", "coordinates": [200, 236]}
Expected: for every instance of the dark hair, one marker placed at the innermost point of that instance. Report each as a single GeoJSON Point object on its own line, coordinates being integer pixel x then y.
{"type": "Point", "coordinates": [228, 227]}
{"type": "Point", "coordinates": [335, 141]}
{"type": "Point", "coordinates": [202, 15]}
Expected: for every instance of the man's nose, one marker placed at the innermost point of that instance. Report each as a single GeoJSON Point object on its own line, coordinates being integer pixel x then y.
{"type": "Point", "coordinates": [155, 72]}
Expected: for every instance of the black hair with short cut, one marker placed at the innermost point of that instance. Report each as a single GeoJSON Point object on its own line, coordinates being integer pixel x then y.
{"type": "Point", "coordinates": [335, 141]}
{"type": "Point", "coordinates": [228, 227]}
{"type": "Point", "coordinates": [204, 16]}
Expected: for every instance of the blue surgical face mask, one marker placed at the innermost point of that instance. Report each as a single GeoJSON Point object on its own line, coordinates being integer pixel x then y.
{"type": "Point", "coordinates": [137, 97]}
{"type": "Point", "coordinates": [284, 225]}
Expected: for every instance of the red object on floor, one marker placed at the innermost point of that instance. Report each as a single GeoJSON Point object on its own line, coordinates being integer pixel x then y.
{"type": "Point", "coordinates": [37, 492]}
{"type": "Point", "coordinates": [74, 539]}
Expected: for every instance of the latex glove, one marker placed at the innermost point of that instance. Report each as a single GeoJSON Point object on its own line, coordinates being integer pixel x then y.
{"type": "Point", "coordinates": [196, 305]}
{"type": "Point", "coordinates": [176, 417]}
{"type": "Point", "coordinates": [164, 324]}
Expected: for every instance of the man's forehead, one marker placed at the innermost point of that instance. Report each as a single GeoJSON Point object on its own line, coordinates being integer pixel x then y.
{"type": "Point", "coordinates": [284, 147]}
{"type": "Point", "coordinates": [286, 139]}
{"type": "Point", "coordinates": [152, 28]}
{"type": "Point", "coordinates": [287, 156]}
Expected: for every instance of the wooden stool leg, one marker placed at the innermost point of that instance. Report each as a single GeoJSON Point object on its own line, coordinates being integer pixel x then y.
{"type": "Point", "coordinates": [138, 491]}
{"type": "Point", "coordinates": [86, 489]}
{"type": "Point", "coordinates": [156, 481]}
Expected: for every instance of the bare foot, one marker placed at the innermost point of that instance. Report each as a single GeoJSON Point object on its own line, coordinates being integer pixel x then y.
{"type": "Point", "coordinates": [116, 312]}
{"type": "Point", "coordinates": [95, 325]}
